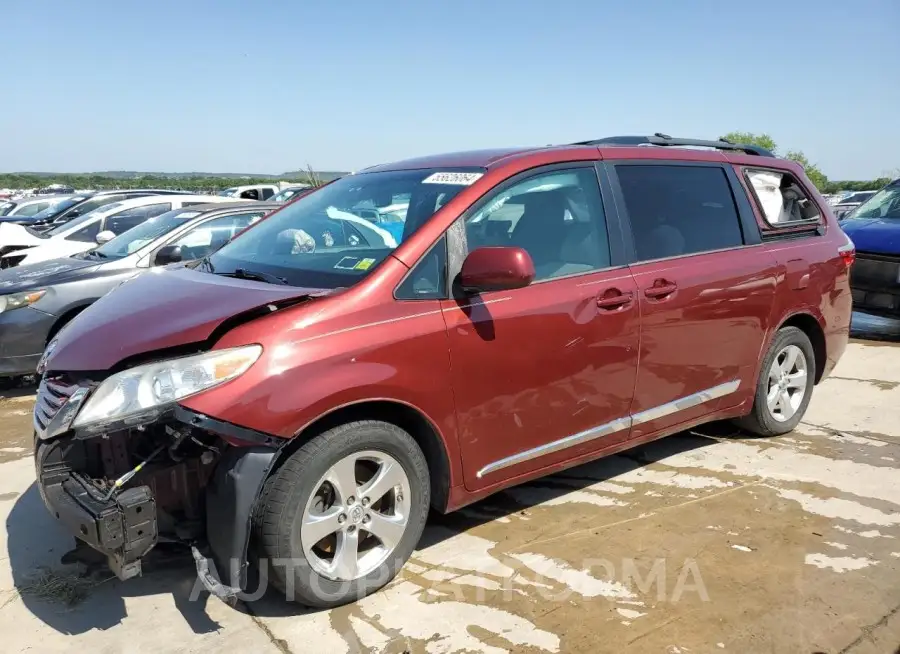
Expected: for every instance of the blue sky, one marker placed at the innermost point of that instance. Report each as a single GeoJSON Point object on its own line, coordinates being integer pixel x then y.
{"type": "Point", "coordinates": [228, 86]}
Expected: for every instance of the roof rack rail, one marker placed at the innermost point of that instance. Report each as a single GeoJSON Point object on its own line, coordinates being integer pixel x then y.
{"type": "Point", "coordinates": [666, 140]}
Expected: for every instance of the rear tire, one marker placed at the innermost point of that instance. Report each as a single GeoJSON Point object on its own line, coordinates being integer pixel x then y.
{"type": "Point", "coordinates": [312, 525]}
{"type": "Point", "coordinates": [785, 385]}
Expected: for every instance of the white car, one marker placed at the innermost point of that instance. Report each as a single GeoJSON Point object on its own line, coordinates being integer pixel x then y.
{"type": "Point", "coordinates": [251, 192]}
{"type": "Point", "coordinates": [21, 245]}
{"type": "Point", "coordinates": [25, 207]}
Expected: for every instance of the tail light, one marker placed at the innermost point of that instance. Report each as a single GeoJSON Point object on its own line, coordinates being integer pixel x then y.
{"type": "Point", "coordinates": [848, 253]}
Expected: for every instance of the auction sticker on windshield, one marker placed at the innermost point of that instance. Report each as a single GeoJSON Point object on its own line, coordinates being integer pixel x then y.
{"type": "Point", "coordinates": [347, 263]}
{"type": "Point", "coordinates": [457, 179]}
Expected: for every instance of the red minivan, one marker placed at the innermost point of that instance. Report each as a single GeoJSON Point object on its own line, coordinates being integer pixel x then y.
{"type": "Point", "coordinates": [298, 400]}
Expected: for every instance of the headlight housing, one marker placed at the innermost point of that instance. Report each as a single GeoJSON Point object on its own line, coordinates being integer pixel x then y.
{"type": "Point", "coordinates": [19, 300]}
{"type": "Point", "coordinates": [130, 395]}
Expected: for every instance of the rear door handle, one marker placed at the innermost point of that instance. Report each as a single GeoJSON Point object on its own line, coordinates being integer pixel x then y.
{"type": "Point", "coordinates": [613, 298]}
{"type": "Point", "coordinates": [661, 288]}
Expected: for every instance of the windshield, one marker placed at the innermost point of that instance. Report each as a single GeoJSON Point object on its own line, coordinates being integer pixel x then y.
{"type": "Point", "coordinates": [82, 219]}
{"type": "Point", "coordinates": [884, 204]}
{"type": "Point", "coordinates": [6, 207]}
{"type": "Point", "coordinates": [51, 211]}
{"type": "Point", "coordinates": [145, 233]}
{"type": "Point", "coordinates": [332, 238]}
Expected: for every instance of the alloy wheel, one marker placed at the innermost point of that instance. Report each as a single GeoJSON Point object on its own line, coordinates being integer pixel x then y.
{"type": "Point", "coordinates": [356, 515]}
{"type": "Point", "coordinates": [788, 379]}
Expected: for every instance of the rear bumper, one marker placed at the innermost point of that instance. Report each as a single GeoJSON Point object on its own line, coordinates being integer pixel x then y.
{"type": "Point", "coordinates": [23, 335]}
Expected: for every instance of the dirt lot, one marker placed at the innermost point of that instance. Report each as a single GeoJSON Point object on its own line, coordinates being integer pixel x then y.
{"type": "Point", "coordinates": [708, 541]}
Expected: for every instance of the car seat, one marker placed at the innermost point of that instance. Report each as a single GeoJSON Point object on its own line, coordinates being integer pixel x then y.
{"type": "Point", "coordinates": [541, 230]}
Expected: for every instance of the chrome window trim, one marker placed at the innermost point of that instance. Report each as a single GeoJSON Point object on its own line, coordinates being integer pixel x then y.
{"type": "Point", "coordinates": [620, 424]}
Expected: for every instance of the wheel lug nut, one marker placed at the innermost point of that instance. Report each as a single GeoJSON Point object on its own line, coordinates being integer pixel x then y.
{"type": "Point", "coordinates": [342, 518]}
{"type": "Point", "coordinates": [351, 500]}
{"type": "Point", "coordinates": [367, 519]}
{"type": "Point", "coordinates": [365, 501]}
{"type": "Point", "coordinates": [351, 529]}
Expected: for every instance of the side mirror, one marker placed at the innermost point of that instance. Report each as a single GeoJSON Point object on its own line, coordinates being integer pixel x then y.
{"type": "Point", "coordinates": [105, 237]}
{"type": "Point", "coordinates": [167, 254]}
{"type": "Point", "coordinates": [496, 269]}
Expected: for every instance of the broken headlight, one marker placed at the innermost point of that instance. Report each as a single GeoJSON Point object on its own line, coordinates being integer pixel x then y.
{"type": "Point", "coordinates": [144, 388]}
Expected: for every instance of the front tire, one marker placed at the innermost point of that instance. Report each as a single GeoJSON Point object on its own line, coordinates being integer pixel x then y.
{"type": "Point", "coordinates": [785, 385]}
{"type": "Point", "coordinates": [339, 519]}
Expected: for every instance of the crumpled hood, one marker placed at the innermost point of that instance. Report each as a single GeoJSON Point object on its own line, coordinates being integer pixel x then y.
{"type": "Point", "coordinates": [17, 235]}
{"type": "Point", "coordinates": [875, 235]}
{"type": "Point", "coordinates": [163, 308]}
{"type": "Point", "coordinates": [46, 273]}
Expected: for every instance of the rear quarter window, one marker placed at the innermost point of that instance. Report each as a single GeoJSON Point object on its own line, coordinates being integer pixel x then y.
{"type": "Point", "coordinates": [783, 205]}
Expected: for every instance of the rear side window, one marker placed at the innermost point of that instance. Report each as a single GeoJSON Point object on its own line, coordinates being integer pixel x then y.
{"type": "Point", "coordinates": [780, 198]}
{"type": "Point", "coordinates": [87, 234]}
{"type": "Point", "coordinates": [31, 209]}
{"type": "Point", "coordinates": [267, 193]}
{"type": "Point", "coordinates": [89, 205]}
{"type": "Point", "coordinates": [679, 210]}
{"type": "Point", "coordinates": [208, 237]}
{"type": "Point", "coordinates": [122, 222]}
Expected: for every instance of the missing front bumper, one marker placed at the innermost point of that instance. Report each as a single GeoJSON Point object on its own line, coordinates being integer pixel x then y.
{"type": "Point", "coordinates": [124, 527]}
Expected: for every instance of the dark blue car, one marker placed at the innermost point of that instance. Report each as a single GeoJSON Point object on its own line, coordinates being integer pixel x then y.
{"type": "Point", "coordinates": [874, 228]}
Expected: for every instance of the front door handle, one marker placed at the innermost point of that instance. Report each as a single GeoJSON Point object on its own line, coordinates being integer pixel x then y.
{"type": "Point", "coordinates": [660, 289]}
{"type": "Point", "coordinates": [614, 298]}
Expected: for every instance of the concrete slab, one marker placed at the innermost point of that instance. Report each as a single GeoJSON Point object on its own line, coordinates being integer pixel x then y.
{"type": "Point", "coordinates": [707, 541]}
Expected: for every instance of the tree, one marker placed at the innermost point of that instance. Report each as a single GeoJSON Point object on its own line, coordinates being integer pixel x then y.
{"type": "Point", "coordinates": [815, 175]}
{"type": "Point", "coordinates": [762, 140]}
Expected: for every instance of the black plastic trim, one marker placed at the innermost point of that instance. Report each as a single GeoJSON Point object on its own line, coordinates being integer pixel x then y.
{"type": "Point", "coordinates": [200, 421]}
{"type": "Point", "coordinates": [666, 140]}
{"type": "Point", "coordinates": [231, 498]}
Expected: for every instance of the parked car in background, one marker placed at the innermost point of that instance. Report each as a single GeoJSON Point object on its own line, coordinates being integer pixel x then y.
{"type": "Point", "coordinates": [252, 192]}
{"type": "Point", "coordinates": [21, 245]}
{"type": "Point", "coordinates": [291, 193]}
{"type": "Point", "coordinates": [874, 228]}
{"type": "Point", "coordinates": [64, 212]}
{"type": "Point", "coordinates": [22, 209]}
{"type": "Point", "coordinates": [608, 292]}
{"type": "Point", "coordinates": [848, 203]}
{"type": "Point", "coordinates": [49, 294]}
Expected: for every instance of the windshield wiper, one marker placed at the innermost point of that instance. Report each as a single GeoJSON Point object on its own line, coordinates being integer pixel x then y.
{"type": "Point", "coordinates": [243, 273]}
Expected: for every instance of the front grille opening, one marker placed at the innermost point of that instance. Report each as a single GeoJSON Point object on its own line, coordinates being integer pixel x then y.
{"type": "Point", "coordinates": [52, 394]}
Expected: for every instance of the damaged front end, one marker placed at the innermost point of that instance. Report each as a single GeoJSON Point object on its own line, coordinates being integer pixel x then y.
{"type": "Point", "coordinates": [170, 475]}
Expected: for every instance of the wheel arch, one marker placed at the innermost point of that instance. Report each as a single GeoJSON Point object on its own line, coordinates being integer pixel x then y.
{"type": "Point", "coordinates": [403, 415]}
{"type": "Point", "coordinates": [64, 318]}
{"type": "Point", "coordinates": [812, 327]}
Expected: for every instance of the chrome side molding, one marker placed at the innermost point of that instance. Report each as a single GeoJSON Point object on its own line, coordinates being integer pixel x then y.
{"type": "Point", "coordinates": [614, 426]}
{"type": "Point", "coordinates": [683, 403]}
